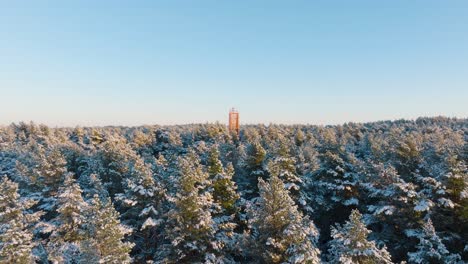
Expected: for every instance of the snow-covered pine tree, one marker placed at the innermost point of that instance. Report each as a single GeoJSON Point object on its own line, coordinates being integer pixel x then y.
{"type": "Point", "coordinates": [307, 163]}
{"type": "Point", "coordinates": [142, 142]}
{"type": "Point", "coordinates": [224, 188]}
{"type": "Point", "coordinates": [114, 157]}
{"type": "Point", "coordinates": [350, 244]}
{"type": "Point", "coordinates": [215, 166]}
{"type": "Point", "coordinates": [167, 143]}
{"type": "Point", "coordinates": [142, 206]}
{"type": "Point", "coordinates": [44, 171]}
{"type": "Point", "coordinates": [225, 196]}
{"type": "Point", "coordinates": [337, 180]}
{"type": "Point", "coordinates": [71, 207]}
{"type": "Point", "coordinates": [390, 206]}
{"type": "Point", "coordinates": [64, 242]}
{"type": "Point", "coordinates": [190, 230]}
{"type": "Point", "coordinates": [307, 159]}
{"type": "Point", "coordinates": [431, 249]}
{"type": "Point", "coordinates": [255, 156]}
{"type": "Point", "coordinates": [299, 137]}
{"type": "Point", "coordinates": [332, 191]}
{"type": "Point", "coordinates": [226, 219]}
{"type": "Point", "coordinates": [77, 136]}
{"type": "Point", "coordinates": [49, 170]}
{"type": "Point", "coordinates": [105, 235]}
{"type": "Point", "coordinates": [456, 182]}
{"type": "Point", "coordinates": [281, 234]}
{"type": "Point", "coordinates": [408, 153]}
{"type": "Point", "coordinates": [92, 185]}
{"type": "Point", "coordinates": [16, 237]}
{"type": "Point", "coordinates": [284, 167]}
{"type": "Point", "coordinates": [96, 136]}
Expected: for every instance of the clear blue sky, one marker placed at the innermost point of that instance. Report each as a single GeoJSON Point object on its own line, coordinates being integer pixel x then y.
{"type": "Point", "coordinates": [66, 63]}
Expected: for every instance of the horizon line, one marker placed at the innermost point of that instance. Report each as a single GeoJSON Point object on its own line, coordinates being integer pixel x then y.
{"type": "Point", "coordinates": [241, 124]}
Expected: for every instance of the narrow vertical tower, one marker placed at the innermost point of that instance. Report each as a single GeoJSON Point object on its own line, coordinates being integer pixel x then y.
{"type": "Point", "coordinates": [234, 120]}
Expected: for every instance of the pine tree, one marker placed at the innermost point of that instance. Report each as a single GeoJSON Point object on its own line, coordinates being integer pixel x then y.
{"type": "Point", "coordinates": [114, 157]}
{"type": "Point", "coordinates": [142, 206]}
{"type": "Point", "coordinates": [431, 249]}
{"type": "Point", "coordinates": [307, 159]}
{"type": "Point", "coordinates": [53, 169]}
{"type": "Point", "coordinates": [255, 156]}
{"type": "Point", "coordinates": [16, 238]}
{"type": "Point", "coordinates": [284, 167]}
{"type": "Point", "coordinates": [307, 164]}
{"type": "Point", "coordinates": [191, 230]}
{"type": "Point", "coordinates": [45, 168]}
{"type": "Point", "coordinates": [254, 161]}
{"type": "Point", "coordinates": [226, 212]}
{"type": "Point", "coordinates": [224, 188]}
{"type": "Point", "coordinates": [390, 203]}
{"type": "Point", "coordinates": [71, 207]}
{"type": "Point", "coordinates": [92, 185]}
{"type": "Point", "coordinates": [225, 196]}
{"type": "Point", "coordinates": [350, 244]}
{"type": "Point", "coordinates": [335, 185]}
{"type": "Point", "coordinates": [215, 166]}
{"type": "Point", "coordinates": [64, 241]}
{"type": "Point", "coordinates": [457, 187]}
{"type": "Point", "coordinates": [105, 235]}
{"type": "Point", "coordinates": [333, 190]}
{"type": "Point", "coordinates": [456, 220]}
{"type": "Point", "coordinates": [44, 171]}
{"type": "Point", "coordinates": [280, 233]}
{"type": "Point", "coordinates": [408, 154]}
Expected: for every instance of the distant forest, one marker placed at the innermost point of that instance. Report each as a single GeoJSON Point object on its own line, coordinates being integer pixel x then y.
{"type": "Point", "coordinates": [381, 192]}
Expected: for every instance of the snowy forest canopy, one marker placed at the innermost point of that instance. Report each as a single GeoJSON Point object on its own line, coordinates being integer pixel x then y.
{"type": "Point", "coordinates": [382, 192]}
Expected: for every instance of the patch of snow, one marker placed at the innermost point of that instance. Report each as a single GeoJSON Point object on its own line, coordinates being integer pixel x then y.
{"type": "Point", "coordinates": [351, 201]}
{"type": "Point", "coordinates": [423, 205]}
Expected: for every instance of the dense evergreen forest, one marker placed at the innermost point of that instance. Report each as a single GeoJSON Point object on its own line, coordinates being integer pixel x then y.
{"type": "Point", "coordinates": [382, 192]}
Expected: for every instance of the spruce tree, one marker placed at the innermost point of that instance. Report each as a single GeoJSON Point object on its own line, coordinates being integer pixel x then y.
{"type": "Point", "coordinates": [350, 244]}
{"type": "Point", "coordinates": [281, 234]}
